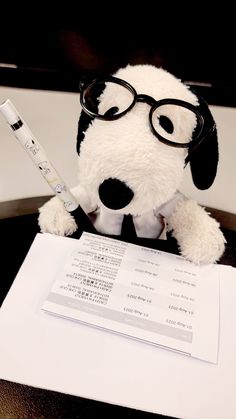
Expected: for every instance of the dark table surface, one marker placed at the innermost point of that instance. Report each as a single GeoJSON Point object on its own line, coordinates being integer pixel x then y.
{"type": "Point", "coordinates": [21, 401]}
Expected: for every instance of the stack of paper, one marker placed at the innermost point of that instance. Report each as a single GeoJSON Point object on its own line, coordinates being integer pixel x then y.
{"type": "Point", "coordinates": [142, 293]}
{"type": "Point", "coordinates": [135, 292]}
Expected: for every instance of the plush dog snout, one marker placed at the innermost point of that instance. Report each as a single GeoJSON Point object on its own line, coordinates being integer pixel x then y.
{"type": "Point", "coordinates": [115, 194]}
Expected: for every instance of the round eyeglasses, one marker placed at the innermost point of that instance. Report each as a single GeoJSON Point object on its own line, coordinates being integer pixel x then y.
{"type": "Point", "coordinates": [174, 122]}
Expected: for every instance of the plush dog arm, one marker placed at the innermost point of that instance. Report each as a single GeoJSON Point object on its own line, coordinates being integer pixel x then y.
{"type": "Point", "coordinates": [53, 217]}
{"type": "Point", "coordinates": [198, 235]}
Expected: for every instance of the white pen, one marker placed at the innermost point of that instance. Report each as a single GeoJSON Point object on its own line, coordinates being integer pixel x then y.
{"type": "Point", "coordinates": [40, 159]}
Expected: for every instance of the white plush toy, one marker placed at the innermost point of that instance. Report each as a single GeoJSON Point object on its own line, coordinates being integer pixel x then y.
{"type": "Point", "coordinates": [137, 131]}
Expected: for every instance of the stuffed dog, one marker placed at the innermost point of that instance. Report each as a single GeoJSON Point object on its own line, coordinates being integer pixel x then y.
{"type": "Point", "coordinates": [137, 131]}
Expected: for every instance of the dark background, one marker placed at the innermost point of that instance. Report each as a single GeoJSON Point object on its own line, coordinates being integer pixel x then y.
{"type": "Point", "coordinates": [53, 50]}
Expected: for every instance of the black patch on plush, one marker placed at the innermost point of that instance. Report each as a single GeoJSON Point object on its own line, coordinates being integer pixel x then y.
{"type": "Point", "coordinates": [204, 158]}
{"type": "Point", "coordinates": [112, 111]}
{"type": "Point", "coordinates": [166, 124]}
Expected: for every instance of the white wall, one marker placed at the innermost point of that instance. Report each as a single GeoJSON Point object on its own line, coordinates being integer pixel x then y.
{"type": "Point", "coordinates": [53, 117]}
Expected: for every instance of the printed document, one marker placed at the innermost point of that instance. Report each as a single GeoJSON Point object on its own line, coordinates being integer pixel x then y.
{"type": "Point", "coordinates": [144, 294]}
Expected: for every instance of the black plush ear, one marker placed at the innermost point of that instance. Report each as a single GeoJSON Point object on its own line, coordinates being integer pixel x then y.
{"type": "Point", "coordinates": [83, 124]}
{"type": "Point", "coordinates": [85, 119]}
{"type": "Point", "coordinates": [204, 158]}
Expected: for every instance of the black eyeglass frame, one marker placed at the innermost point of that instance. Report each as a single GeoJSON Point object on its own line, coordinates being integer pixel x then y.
{"type": "Point", "coordinates": [150, 101]}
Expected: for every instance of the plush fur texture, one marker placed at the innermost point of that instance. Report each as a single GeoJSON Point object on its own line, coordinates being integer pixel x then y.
{"type": "Point", "coordinates": [126, 150]}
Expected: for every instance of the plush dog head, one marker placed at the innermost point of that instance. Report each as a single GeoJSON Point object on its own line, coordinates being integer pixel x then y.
{"type": "Point", "coordinates": [135, 139]}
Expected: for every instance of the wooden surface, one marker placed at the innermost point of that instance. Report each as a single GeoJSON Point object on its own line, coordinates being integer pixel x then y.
{"type": "Point", "coordinates": [18, 401]}
{"type": "Point", "coordinates": [26, 206]}
{"type": "Point", "coordinates": [15, 208]}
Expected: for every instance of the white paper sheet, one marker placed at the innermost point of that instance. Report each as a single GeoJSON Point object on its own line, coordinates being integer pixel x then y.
{"type": "Point", "coordinates": [45, 351]}
{"type": "Point", "coordinates": [142, 293]}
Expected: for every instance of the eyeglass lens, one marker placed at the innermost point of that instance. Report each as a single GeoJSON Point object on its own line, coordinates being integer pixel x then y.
{"type": "Point", "coordinates": [174, 123]}
{"type": "Point", "coordinates": [107, 98]}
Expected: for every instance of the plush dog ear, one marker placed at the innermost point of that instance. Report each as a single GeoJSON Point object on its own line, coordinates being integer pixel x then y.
{"type": "Point", "coordinates": [204, 157]}
{"type": "Point", "coordinates": [85, 119]}
{"type": "Point", "coordinates": [84, 122]}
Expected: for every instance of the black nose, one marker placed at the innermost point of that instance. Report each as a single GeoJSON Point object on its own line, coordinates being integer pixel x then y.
{"type": "Point", "coordinates": [115, 194]}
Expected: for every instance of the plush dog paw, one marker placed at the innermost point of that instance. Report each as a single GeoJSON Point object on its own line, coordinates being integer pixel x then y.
{"type": "Point", "coordinates": [205, 249]}
{"type": "Point", "coordinates": [199, 236]}
{"type": "Point", "coordinates": [53, 218]}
